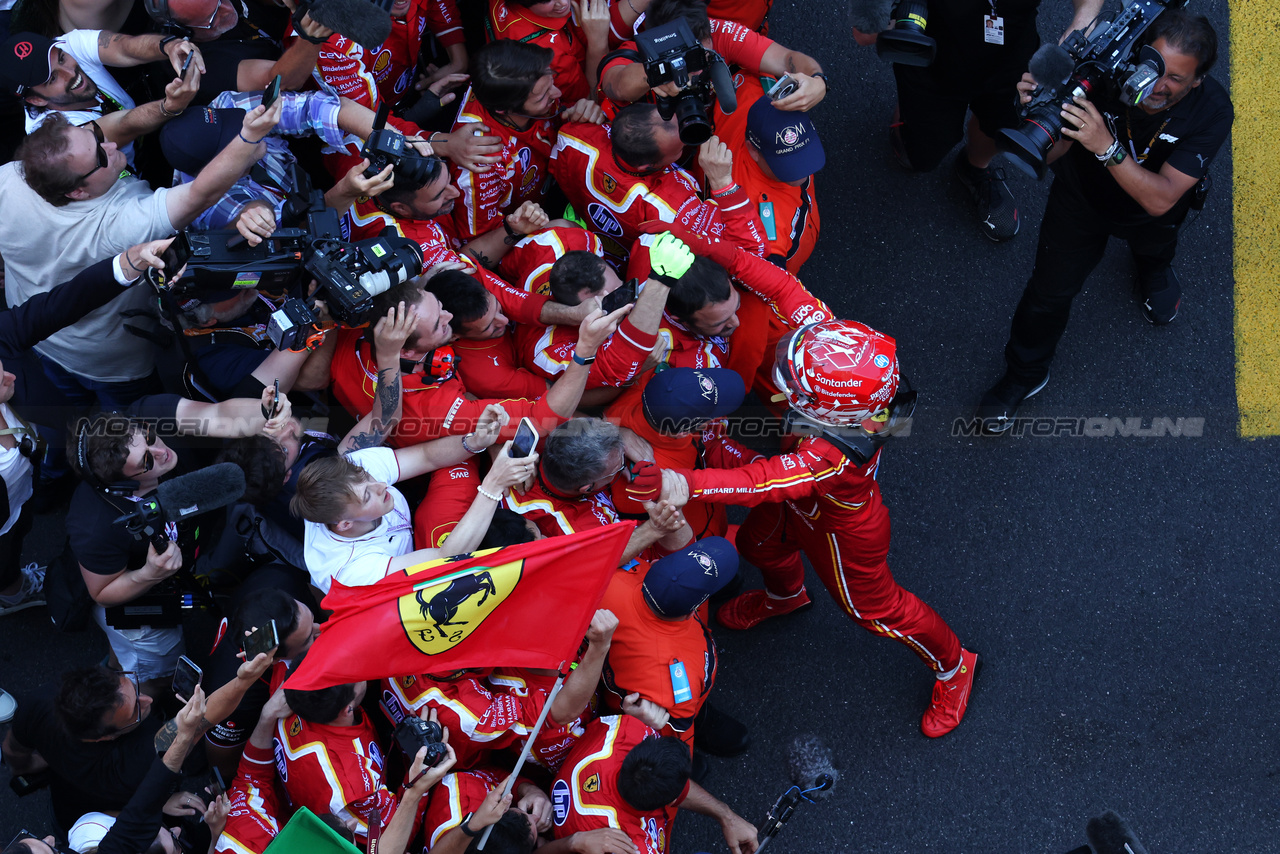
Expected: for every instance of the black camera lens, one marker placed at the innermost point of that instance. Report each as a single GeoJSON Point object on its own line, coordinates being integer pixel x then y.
{"type": "Point", "coordinates": [1028, 144]}
{"type": "Point", "coordinates": [905, 43]}
{"type": "Point", "coordinates": [692, 121]}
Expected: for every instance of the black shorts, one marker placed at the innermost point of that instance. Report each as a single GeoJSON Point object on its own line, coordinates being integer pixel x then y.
{"type": "Point", "coordinates": [934, 101]}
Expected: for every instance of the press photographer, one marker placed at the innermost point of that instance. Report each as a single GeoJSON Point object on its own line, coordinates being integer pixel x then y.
{"type": "Point", "coordinates": [956, 64]}
{"type": "Point", "coordinates": [122, 459]}
{"type": "Point", "coordinates": [627, 75]}
{"type": "Point", "coordinates": [1123, 170]}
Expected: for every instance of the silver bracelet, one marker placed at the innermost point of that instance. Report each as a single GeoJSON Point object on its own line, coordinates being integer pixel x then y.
{"type": "Point", "coordinates": [489, 495]}
{"type": "Point", "coordinates": [1109, 153]}
{"type": "Point", "coordinates": [468, 448]}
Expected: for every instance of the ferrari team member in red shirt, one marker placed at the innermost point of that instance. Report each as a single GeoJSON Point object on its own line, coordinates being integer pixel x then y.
{"type": "Point", "coordinates": [622, 175]}
{"type": "Point", "coordinates": [680, 413]}
{"type": "Point", "coordinates": [256, 805]}
{"type": "Point", "coordinates": [577, 46]}
{"type": "Point", "coordinates": [841, 380]}
{"type": "Point", "coordinates": [529, 264]}
{"type": "Point", "coordinates": [623, 79]}
{"type": "Point", "coordinates": [622, 776]}
{"type": "Point", "coordinates": [434, 399]}
{"type": "Point", "coordinates": [373, 74]}
{"type": "Point", "coordinates": [417, 207]}
{"type": "Point", "coordinates": [480, 720]}
{"type": "Point", "coordinates": [702, 327]}
{"type": "Point", "coordinates": [663, 649]}
{"type": "Point", "coordinates": [777, 155]}
{"type": "Point", "coordinates": [513, 98]}
{"type": "Point", "coordinates": [328, 758]}
{"type": "Point", "coordinates": [463, 793]}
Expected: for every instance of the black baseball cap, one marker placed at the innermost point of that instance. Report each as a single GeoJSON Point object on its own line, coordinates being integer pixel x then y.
{"type": "Point", "coordinates": [787, 139]}
{"type": "Point", "coordinates": [24, 61]}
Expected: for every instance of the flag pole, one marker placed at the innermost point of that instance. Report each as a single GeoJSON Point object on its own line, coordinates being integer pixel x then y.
{"type": "Point", "coordinates": [528, 747]}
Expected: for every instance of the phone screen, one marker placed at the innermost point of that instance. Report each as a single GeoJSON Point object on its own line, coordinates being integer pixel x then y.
{"type": "Point", "coordinates": [624, 295]}
{"type": "Point", "coordinates": [526, 439]}
{"type": "Point", "coordinates": [261, 640]}
{"type": "Point", "coordinates": [186, 677]}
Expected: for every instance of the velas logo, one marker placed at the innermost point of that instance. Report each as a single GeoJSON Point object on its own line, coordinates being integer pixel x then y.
{"type": "Point", "coordinates": [22, 50]}
{"type": "Point", "coordinates": [441, 613]}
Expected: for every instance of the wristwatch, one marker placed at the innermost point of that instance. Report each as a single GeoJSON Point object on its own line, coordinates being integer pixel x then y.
{"type": "Point", "coordinates": [823, 77]}
{"type": "Point", "coordinates": [581, 361]}
{"type": "Point", "coordinates": [1113, 156]}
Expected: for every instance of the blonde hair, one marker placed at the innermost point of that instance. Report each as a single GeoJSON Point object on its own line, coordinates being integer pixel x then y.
{"type": "Point", "coordinates": [326, 488]}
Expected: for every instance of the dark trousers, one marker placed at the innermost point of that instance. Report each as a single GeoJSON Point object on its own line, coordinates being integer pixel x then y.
{"type": "Point", "coordinates": [1073, 237]}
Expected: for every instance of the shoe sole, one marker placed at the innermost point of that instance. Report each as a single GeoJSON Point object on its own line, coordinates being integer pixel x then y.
{"type": "Point", "coordinates": [805, 607]}
{"type": "Point", "coordinates": [1001, 427]}
{"type": "Point", "coordinates": [6, 610]}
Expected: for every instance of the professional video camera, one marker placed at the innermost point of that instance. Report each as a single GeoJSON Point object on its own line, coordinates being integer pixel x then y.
{"type": "Point", "coordinates": [1107, 62]}
{"type": "Point", "coordinates": [348, 275]}
{"type": "Point", "coordinates": [672, 55]}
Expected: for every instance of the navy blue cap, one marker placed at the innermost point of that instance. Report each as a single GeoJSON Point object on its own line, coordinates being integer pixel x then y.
{"type": "Point", "coordinates": [787, 140]}
{"type": "Point", "coordinates": [677, 585]}
{"type": "Point", "coordinates": [194, 138]}
{"type": "Point", "coordinates": [679, 400]}
{"type": "Point", "coordinates": [24, 61]}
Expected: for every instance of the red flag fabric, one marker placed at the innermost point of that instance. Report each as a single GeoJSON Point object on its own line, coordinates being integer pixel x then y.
{"type": "Point", "coordinates": [520, 606]}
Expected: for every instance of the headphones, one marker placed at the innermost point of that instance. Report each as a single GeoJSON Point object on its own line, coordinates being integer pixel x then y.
{"type": "Point", "coordinates": [119, 487]}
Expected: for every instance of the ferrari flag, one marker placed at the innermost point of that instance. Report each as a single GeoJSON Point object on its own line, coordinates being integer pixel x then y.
{"type": "Point", "coordinates": [520, 606]}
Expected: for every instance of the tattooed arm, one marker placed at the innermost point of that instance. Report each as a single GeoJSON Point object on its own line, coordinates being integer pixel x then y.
{"type": "Point", "coordinates": [389, 336]}
{"type": "Point", "coordinates": [220, 705]}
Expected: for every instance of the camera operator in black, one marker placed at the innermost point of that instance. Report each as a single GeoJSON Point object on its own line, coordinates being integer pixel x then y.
{"type": "Point", "coordinates": [122, 458]}
{"type": "Point", "coordinates": [1123, 171]}
{"type": "Point", "coordinates": [969, 75]}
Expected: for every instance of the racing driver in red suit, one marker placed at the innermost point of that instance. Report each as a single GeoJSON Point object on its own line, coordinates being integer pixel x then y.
{"type": "Point", "coordinates": [841, 381]}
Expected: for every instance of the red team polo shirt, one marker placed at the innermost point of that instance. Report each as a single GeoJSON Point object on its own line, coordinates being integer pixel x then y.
{"type": "Point", "coordinates": [585, 792]}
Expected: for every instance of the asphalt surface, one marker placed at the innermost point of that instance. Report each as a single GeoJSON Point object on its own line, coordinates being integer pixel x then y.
{"type": "Point", "coordinates": [1117, 588]}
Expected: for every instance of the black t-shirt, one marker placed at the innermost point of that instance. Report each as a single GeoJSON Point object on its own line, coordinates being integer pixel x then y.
{"type": "Point", "coordinates": [958, 26]}
{"type": "Point", "coordinates": [1187, 136]}
{"type": "Point", "coordinates": [87, 776]}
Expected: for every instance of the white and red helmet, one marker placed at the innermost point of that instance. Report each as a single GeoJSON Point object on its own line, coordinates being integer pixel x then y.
{"type": "Point", "coordinates": [837, 372]}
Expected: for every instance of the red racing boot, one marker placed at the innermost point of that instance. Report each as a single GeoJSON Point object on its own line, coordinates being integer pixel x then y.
{"type": "Point", "coordinates": [755, 606]}
{"type": "Point", "coordinates": [950, 698]}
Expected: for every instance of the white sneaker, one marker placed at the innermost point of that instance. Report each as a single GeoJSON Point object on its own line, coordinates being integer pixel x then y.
{"type": "Point", "coordinates": [31, 593]}
{"type": "Point", "coordinates": [8, 706]}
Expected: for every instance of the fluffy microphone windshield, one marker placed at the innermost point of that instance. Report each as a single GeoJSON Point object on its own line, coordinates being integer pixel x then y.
{"type": "Point", "coordinates": [807, 760]}
{"type": "Point", "coordinates": [870, 16]}
{"type": "Point", "coordinates": [1051, 65]}
{"type": "Point", "coordinates": [201, 491]}
{"type": "Point", "coordinates": [365, 22]}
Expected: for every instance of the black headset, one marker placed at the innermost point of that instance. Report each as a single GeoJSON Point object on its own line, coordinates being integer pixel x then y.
{"type": "Point", "coordinates": [119, 487]}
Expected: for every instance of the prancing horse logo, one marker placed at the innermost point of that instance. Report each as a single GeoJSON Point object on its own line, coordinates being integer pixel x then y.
{"type": "Point", "coordinates": [440, 613]}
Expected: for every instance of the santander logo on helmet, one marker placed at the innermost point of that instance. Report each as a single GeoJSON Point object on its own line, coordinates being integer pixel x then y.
{"type": "Point", "coordinates": [838, 372]}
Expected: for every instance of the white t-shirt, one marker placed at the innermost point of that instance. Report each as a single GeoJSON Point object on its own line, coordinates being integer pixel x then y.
{"type": "Point", "coordinates": [82, 46]}
{"type": "Point", "coordinates": [355, 561]}
{"type": "Point", "coordinates": [15, 471]}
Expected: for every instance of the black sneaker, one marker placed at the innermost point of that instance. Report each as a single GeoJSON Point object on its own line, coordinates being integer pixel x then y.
{"type": "Point", "coordinates": [1000, 403]}
{"type": "Point", "coordinates": [1161, 307]}
{"type": "Point", "coordinates": [995, 203]}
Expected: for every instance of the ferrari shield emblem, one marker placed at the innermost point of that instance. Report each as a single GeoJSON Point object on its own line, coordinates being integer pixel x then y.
{"type": "Point", "coordinates": [592, 785]}
{"type": "Point", "coordinates": [609, 184]}
{"type": "Point", "coordinates": [441, 613]}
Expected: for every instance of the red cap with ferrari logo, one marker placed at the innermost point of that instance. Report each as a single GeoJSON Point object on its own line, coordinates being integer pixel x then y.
{"type": "Point", "coordinates": [838, 372]}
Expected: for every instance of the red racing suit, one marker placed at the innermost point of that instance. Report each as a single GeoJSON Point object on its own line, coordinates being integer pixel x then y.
{"type": "Point", "coordinates": [614, 203]}
{"type": "Point", "coordinates": [519, 176]}
{"type": "Point", "coordinates": [256, 805]}
{"type": "Point", "coordinates": [493, 369]}
{"type": "Point", "coordinates": [817, 501]}
{"type": "Point", "coordinates": [449, 496]}
{"type": "Point", "coordinates": [335, 769]}
{"type": "Point", "coordinates": [364, 220]}
{"type": "Point", "coordinates": [369, 74]}
{"type": "Point", "coordinates": [585, 795]}
{"type": "Point", "coordinates": [562, 35]}
{"type": "Point", "coordinates": [527, 265]}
